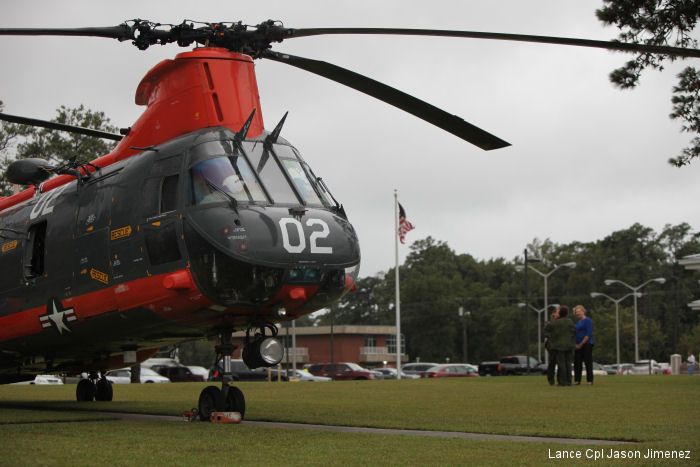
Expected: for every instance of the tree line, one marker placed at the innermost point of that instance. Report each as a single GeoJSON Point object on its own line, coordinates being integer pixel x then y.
{"type": "Point", "coordinates": [435, 282]}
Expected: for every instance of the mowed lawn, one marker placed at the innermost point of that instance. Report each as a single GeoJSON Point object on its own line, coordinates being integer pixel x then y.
{"type": "Point", "coordinates": [652, 412]}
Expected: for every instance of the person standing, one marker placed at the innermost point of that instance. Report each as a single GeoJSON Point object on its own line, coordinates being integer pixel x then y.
{"type": "Point", "coordinates": [691, 363]}
{"type": "Point", "coordinates": [552, 365]}
{"type": "Point", "coordinates": [584, 345]}
{"type": "Point", "coordinates": [562, 342]}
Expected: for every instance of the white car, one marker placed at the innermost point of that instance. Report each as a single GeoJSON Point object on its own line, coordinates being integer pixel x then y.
{"type": "Point", "coordinates": [123, 376]}
{"type": "Point", "coordinates": [390, 373]}
{"type": "Point", "coordinates": [642, 368]}
{"type": "Point", "coordinates": [303, 375]}
{"type": "Point", "coordinates": [43, 380]}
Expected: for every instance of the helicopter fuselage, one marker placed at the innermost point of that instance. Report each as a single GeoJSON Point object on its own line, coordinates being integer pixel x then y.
{"type": "Point", "coordinates": [200, 233]}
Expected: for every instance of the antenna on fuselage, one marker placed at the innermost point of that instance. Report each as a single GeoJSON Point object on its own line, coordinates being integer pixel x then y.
{"type": "Point", "coordinates": [243, 132]}
{"type": "Point", "coordinates": [272, 137]}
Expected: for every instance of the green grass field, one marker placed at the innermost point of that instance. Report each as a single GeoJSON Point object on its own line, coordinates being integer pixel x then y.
{"type": "Point", "coordinates": [43, 425]}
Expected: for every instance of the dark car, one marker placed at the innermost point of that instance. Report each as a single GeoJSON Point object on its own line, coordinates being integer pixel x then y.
{"type": "Point", "coordinates": [342, 371]}
{"type": "Point", "coordinates": [512, 365]}
{"type": "Point", "coordinates": [450, 371]}
{"type": "Point", "coordinates": [177, 374]}
{"type": "Point", "coordinates": [241, 372]}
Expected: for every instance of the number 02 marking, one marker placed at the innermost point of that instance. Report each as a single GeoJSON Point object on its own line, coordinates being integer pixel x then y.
{"type": "Point", "coordinates": [285, 224]}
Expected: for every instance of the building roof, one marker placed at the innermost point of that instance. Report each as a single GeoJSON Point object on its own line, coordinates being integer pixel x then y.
{"type": "Point", "coordinates": [345, 329]}
{"type": "Point", "coordinates": [690, 261]}
{"type": "Point", "coordinates": [337, 330]}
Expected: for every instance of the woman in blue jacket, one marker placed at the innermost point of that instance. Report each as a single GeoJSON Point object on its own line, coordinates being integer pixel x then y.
{"type": "Point", "coordinates": [584, 345]}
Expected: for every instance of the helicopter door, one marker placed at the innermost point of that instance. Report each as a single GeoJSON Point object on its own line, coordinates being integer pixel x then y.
{"type": "Point", "coordinates": [35, 250]}
{"type": "Point", "coordinates": [92, 265]}
{"type": "Point", "coordinates": [160, 216]}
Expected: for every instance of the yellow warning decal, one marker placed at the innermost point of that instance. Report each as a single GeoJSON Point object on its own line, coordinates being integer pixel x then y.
{"type": "Point", "coordinates": [120, 233]}
{"type": "Point", "coordinates": [99, 276]}
{"type": "Point", "coordinates": [7, 246]}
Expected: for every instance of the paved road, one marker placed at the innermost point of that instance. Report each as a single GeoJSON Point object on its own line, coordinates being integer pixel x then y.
{"type": "Point", "coordinates": [385, 431]}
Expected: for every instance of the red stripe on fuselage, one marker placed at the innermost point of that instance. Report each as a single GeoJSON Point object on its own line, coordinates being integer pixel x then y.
{"type": "Point", "coordinates": [147, 292]}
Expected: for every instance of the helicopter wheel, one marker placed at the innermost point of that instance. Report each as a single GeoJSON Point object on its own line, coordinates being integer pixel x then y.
{"type": "Point", "coordinates": [85, 391]}
{"type": "Point", "coordinates": [103, 390]}
{"type": "Point", "coordinates": [235, 402]}
{"type": "Point", "coordinates": [210, 400]}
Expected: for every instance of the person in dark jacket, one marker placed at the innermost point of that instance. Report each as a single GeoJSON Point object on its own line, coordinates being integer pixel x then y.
{"type": "Point", "coordinates": [562, 334]}
{"type": "Point", "coordinates": [552, 365]}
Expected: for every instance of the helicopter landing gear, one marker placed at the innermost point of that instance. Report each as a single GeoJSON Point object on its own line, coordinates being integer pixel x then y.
{"type": "Point", "coordinates": [211, 400]}
{"type": "Point", "coordinates": [85, 392]}
{"type": "Point", "coordinates": [94, 387]}
{"type": "Point", "coordinates": [262, 350]}
{"type": "Point", "coordinates": [228, 398]}
{"type": "Point", "coordinates": [103, 390]}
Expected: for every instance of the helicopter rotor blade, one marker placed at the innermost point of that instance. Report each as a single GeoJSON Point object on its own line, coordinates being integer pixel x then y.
{"type": "Point", "coordinates": [431, 114]}
{"type": "Point", "coordinates": [610, 45]}
{"type": "Point", "coordinates": [60, 126]}
{"type": "Point", "coordinates": [121, 32]}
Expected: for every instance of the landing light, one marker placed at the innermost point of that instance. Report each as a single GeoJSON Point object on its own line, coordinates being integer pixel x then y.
{"type": "Point", "coordinates": [264, 351]}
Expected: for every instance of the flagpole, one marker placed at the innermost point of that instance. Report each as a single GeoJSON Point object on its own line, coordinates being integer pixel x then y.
{"type": "Point", "coordinates": [398, 297]}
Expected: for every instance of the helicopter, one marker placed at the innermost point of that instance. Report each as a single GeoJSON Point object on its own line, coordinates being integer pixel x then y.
{"type": "Point", "coordinates": [200, 222]}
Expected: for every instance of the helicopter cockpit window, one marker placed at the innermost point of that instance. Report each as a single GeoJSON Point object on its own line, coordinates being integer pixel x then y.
{"type": "Point", "coordinates": [222, 178]}
{"type": "Point", "coordinates": [301, 176]}
{"type": "Point", "coordinates": [270, 173]}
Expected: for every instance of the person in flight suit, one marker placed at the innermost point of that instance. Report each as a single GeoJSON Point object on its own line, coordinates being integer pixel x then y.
{"type": "Point", "coordinates": [562, 341]}
{"type": "Point", "coordinates": [552, 365]}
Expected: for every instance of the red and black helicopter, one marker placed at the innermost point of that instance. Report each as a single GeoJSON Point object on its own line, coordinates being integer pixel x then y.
{"type": "Point", "coordinates": [200, 222]}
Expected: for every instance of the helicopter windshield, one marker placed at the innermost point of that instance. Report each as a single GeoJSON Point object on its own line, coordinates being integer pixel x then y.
{"type": "Point", "coordinates": [217, 179]}
{"type": "Point", "coordinates": [301, 176]}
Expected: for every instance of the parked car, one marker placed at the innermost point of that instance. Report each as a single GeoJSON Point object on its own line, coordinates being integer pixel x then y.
{"type": "Point", "coordinates": [304, 375]}
{"type": "Point", "coordinates": [199, 370]}
{"type": "Point", "coordinates": [159, 361]}
{"type": "Point", "coordinates": [625, 369]}
{"type": "Point", "coordinates": [271, 374]}
{"type": "Point", "coordinates": [665, 367]}
{"type": "Point", "coordinates": [342, 371]}
{"type": "Point", "coordinates": [41, 380]}
{"type": "Point", "coordinates": [417, 368]}
{"type": "Point", "coordinates": [642, 368]}
{"type": "Point", "coordinates": [240, 372]}
{"type": "Point", "coordinates": [512, 365]}
{"type": "Point", "coordinates": [390, 373]}
{"type": "Point", "coordinates": [450, 370]}
{"type": "Point", "coordinates": [598, 370]}
{"type": "Point", "coordinates": [123, 376]}
{"type": "Point", "coordinates": [178, 374]}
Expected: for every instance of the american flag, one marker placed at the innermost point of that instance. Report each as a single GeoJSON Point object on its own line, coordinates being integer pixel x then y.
{"type": "Point", "coordinates": [404, 225]}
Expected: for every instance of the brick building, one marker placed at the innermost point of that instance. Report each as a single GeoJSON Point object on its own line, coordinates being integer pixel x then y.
{"type": "Point", "coordinates": [370, 346]}
{"type": "Point", "coordinates": [691, 262]}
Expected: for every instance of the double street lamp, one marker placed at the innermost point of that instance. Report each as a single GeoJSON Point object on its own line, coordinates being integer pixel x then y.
{"type": "Point", "coordinates": [539, 332]}
{"type": "Point", "coordinates": [635, 294]}
{"type": "Point", "coordinates": [617, 318]}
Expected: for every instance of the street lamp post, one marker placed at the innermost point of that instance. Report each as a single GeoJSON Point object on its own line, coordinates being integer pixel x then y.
{"type": "Point", "coordinates": [465, 348]}
{"type": "Point", "coordinates": [545, 276]}
{"type": "Point", "coordinates": [635, 294]}
{"type": "Point", "coordinates": [617, 319]}
{"type": "Point", "coordinates": [527, 300]}
{"type": "Point", "coordinates": [539, 333]}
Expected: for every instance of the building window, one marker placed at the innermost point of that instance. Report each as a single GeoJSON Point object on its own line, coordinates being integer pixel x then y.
{"type": "Point", "coordinates": [391, 344]}
{"type": "Point", "coordinates": [370, 341]}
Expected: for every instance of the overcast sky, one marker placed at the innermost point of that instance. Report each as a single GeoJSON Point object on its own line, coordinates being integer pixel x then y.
{"type": "Point", "coordinates": [587, 159]}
